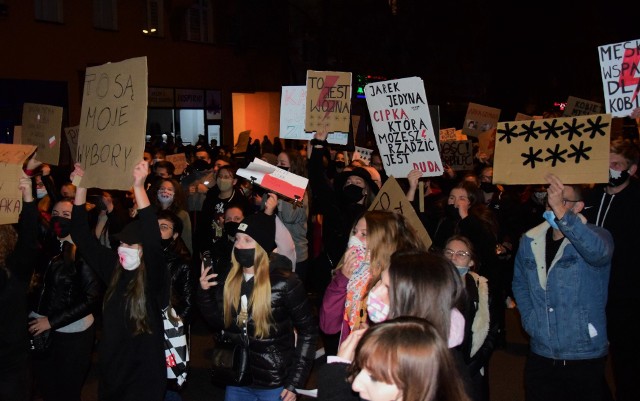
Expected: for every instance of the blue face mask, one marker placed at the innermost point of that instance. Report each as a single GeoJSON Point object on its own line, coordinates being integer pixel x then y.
{"type": "Point", "coordinates": [462, 270]}
{"type": "Point", "coordinates": [550, 218]}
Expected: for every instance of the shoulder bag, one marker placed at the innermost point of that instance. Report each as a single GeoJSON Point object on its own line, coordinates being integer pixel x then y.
{"type": "Point", "coordinates": [230, 359]}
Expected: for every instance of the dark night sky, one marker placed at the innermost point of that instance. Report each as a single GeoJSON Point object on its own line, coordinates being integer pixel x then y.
{"type": "Point", "coordinates": [486, 52]}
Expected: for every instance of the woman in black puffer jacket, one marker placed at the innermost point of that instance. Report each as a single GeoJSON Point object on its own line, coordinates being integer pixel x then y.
{"type": "Point", "coordinates": [261, 289]}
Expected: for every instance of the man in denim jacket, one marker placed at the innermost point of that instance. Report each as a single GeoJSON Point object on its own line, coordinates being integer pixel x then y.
{"type": "Point", "coordinates": [560, 284]}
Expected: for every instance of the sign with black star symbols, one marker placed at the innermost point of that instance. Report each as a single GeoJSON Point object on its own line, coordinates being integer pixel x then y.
{"type": "Point", "coordinates": [573, 148]}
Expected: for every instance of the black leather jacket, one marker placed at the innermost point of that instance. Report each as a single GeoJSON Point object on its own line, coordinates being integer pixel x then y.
{"type": "Point", "coordinates": [66, 290]}
{"type": "Point", "coordinates": [182, 282]}
{"type": "Point", "coordinates": [275, 361]}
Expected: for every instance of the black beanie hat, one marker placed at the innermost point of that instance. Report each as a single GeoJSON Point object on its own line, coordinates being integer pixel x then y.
{"type": "Point", "coordinates": [131, 233]}
{"type": "Point", "coordinates": [262, 228]}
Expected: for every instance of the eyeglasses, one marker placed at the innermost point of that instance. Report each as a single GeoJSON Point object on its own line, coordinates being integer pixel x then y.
{"type": "Point", "coordinates": [451, 253]}
{"type": "Point", "coordinates": [564, 201]}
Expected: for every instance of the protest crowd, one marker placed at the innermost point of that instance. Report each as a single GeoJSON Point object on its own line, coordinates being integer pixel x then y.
{"type": "Point", "coordinates": [399, 317]}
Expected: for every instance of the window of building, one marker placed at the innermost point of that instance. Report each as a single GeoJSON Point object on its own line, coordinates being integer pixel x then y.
{"type": "Point", "coordinates": [200, 22]}
{"type": "Point", "coordinates": [105, 14]}
{"type": "Point", "coordinates": [49, 10]}
{"type": "Point", "coordinates": [154, 25]}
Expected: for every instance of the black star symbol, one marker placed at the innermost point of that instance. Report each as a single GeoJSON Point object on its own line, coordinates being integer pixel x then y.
{"type": "Point", "coordinates": [579, 152]}
{"type": "Point", "coordinates": [508, 133]}
{"type": "Point", "coordinates": [596, 127]}
{"type": "Point", "coordinates": [531, 157]}
{"type": "Point", "coordinates": [529, 131]}
{"type": "Point", "coordinates": [572, 129]}
{"type": "Point", "coordinates": [556, 155]}
{"type": "Point", "coordinates": [550, 129]}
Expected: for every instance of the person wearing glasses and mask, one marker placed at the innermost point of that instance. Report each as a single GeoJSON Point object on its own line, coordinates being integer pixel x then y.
{"type": "Point", "coordinates": [560, 282]}
{"type": "Point", "coordinates": [481, 328]}
{"type": "Point", "coordinates": [614, 206]}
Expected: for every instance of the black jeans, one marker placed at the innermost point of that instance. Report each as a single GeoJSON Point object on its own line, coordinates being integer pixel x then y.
{"type": "Point", "coordinates": [60, 374]}
{"type": "Point", "coordinates": [564, 380]}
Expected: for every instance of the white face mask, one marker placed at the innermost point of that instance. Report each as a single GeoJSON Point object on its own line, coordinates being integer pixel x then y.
{"type": "Point", "coordinates": [129, 258]}
{"type": "Point", "coordinates": [165, 197]}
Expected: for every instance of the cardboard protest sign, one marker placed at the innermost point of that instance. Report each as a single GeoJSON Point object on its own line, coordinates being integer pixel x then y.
{"type": "Point", "coordinates": [328, 101]}
{"type": "Point", "coordinates": [362, 154]}
{"type": "Point", "coordinates": [619, 70]}
{"type": "Point", "coordinates": [581, 107]}
{"type": "Point", "coordinates": [576, 149]}
{"type": "Point", "coordinates": [113, 123]}
{"type": "Point", "coordinates": [41, 126]}
{"type": "Point", "coordinates": [522, 116]}
{"type": "Point", "coordinates": [457, 154]}
{"type": "Point", "coordinates": [179, 161]}
{"type": "Point", "coordinates": [11, 159]}
{"type": "Point", "coordinates": [487, 142]}
{"type": "Point", "coordinates": [447, 134]}
{"type": "Point", "coordinates": [243, 142]}
{"type": "Point", "coordinates": [72, 139]}
{"type": "Point", "coordinates": [17, 134]}
{"type": "Point", "coordinates": [402, 127]}
{"type": "Point", "coordinates": [293, 106]}
{"type": "Point", "coordinates": [275, 179]}
{"type": "Point", "coordinates": [392, 198]}
{"type": "Point", "coordinates": [479, 119]}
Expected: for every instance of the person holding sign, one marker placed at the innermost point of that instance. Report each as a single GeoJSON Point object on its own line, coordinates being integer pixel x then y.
{"type": "Point", "coordinates": [131, 357]}
{"type": "Point", "coordinates": [352, 193]}
{"type": "Point", "coordinates": [560, 284]}
{"type": "Point", "coordinates": [18, 254]}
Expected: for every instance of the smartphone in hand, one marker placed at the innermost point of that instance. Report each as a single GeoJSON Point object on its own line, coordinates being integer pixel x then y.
{"type": "Point", "coordinates": [207, 261]}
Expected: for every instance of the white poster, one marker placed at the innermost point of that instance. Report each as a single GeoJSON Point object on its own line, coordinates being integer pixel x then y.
{"type": "Point", "coordinates": [402, 127]}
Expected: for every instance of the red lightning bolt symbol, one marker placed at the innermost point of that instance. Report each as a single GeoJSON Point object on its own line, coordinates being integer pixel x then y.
{"type": "Point", "coordinates": [329, 81]}
{"type": "Point", "coordinates": [629, 66]}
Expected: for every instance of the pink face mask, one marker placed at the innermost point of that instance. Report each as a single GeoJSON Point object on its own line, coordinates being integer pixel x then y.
{"type": "Point", "coordinates": [377, 309]}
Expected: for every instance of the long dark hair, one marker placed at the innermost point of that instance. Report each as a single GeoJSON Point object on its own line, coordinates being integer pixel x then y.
{"type": "Point", "coordinates": [135, 296]}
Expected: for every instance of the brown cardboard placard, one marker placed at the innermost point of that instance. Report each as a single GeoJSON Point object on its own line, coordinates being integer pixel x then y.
{"type": "Point", "coordinates": [243, 142]}
{"type": "Point", "coordinates": [522, 116]}
{"type": "Point", "coordinates": [41, 126]}
{"type": "Point", "coordinates": [576, 149]}
{"type": "Point", "coordinates": [582, 107]}
{"type": "Point", "coordinates": [179, 161]}
{"type": "Point", "coordinates": [487, 142]}
{"type": "Point", "coordinates": [72, 139]}
{"type": "Point", "coordinates": [479, 119]}
{"type": "Point", "coordinates": [328, 101]}
{"type": "Point", "coordinates": [457, 154]}
{"type": "Point", "coordinates": [11, 159]}
{"type": "Point", "coordinates": [113, 123]}
{"type": "Point", "coordinates": [392, 198]}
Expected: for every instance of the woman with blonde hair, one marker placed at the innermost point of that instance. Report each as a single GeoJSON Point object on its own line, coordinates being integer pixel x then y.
{"type": "Point", "coordinates": [262, 296]}
{"type": "Point", "coordinates": [374, 238]}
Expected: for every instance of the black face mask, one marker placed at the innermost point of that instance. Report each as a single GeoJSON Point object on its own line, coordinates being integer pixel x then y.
{"type": "Point", "coordinates": [245, 257]}
{"type": "Point", "coordinates": [353, 193]}
{"type": "Point", "coordinates": [452, 212]}
{"type": "Point", "coordinates": [488, 187]}
{"type": "Point", "coordinates": [339, 164]}
{"type": "Point", "coordinates": [616, 182]}
{"type": "Point", "coordinates": [166, 242]}
{"type": "Point", "coordinates": [61, 226]}
{"type": "Point", "coordinates": [283, 168]}
{"type": "Point", "coordinates": [231, 228]}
